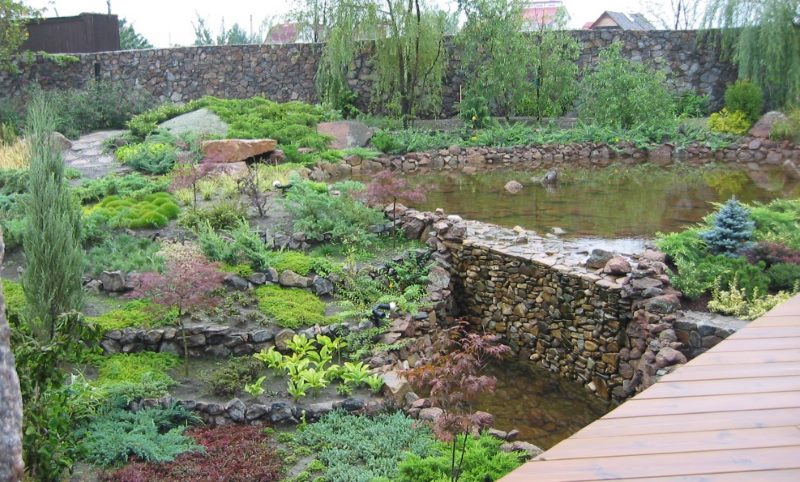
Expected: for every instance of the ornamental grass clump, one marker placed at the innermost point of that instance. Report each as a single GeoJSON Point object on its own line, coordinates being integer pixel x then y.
{"type": "Point", "coordinates": [731, 231]}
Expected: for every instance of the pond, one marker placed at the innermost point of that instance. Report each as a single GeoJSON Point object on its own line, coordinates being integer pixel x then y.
{"type": "Point", "coordinates": [616, 202]}
{"type": "Point", "coordinates": [545, 408]}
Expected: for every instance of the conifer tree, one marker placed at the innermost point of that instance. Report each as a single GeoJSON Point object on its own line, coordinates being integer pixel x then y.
{"type": "Point", "coordinates": [732, 229]}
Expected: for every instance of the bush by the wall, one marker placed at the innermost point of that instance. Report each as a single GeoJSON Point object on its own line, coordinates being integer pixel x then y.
{"type": "Point", "coordinates": [149, 157]}
{"type": "Point", "coordinates": [125, 253]}
{"type": "Point", "coordinates": [745, 96]}
{"type": "Point", "coordinates": [233, 376]}
{"type": "Point", "coordinates": [783, 276]}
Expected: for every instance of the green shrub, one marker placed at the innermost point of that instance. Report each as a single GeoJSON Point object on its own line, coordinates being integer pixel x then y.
{"type": "Point", "coordinates": [241, 270]}
{"type": "Point", "coordinates": [225, 214]}
{"type": "Point", "coordinates": [321, 216]}
{"type": "Point", "coordinates": [151, 211]}
{"type": "Point", "coordinates": [129, 185]}
{"type": "Point", "coordinates": [149, 157]}
{"type": "Point", "coordinates": [13, 227]}
{"type": "Point", "coordinates": [787, 129]}
{"type": "Point", "coordinates": [136, 314]}
{"type": "Point", "coordinates": [15, 300]}
{"type": "Point", "coordinates": [783, 276]}
{"type": "Point", "coordinates": [125, 253]}
{"type": "Point", "coordinates": [303, 264]}
{"type": "Point", "coordinates": [683, 245]}
{"type": "Point", "coordinates": [290, 307]}
{"type": "Point", "coordinates": [361, 449]}
{"type": "Point", "coordinates": [100, 105]}
{"type": "Point", "coordinates": [624, 93]}
{"type": "Point", "coordinates": [483, 461]}
{"type": "Point", "coordinates": [147, 122]}
{"type": "Point", "coordinates": [736, 302]}
{"type": "Point", "coordinates": [695, 278]}
{"type": "Point", "coordinates": [691, 104]}
{"type": "Point", "coordinates": [474, 111]}
{"type": "Point", "coordinates": [151, 434]}
{"type": "Point", "coordinates": [131, 376]}
{"type": "Point", "coordinates": [746, 97]}
{"type": "Point", "coordinates": [231, 378]}
{"type": "Point", "coordinates": [729, 122]}
{"type": "Point", "coordinates": [778, 221]}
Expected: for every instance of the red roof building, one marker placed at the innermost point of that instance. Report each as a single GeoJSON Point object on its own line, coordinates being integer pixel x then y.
{"type": "Point", "coordinates": [538, 14]}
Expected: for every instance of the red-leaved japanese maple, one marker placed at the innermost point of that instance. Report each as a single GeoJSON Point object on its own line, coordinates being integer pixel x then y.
{"type": "Point", "coordinates": [386, 187]}
{"type": "Point", "coordinates": [452, 377]}
{"type": "Point", "coordinates": [188, 283]}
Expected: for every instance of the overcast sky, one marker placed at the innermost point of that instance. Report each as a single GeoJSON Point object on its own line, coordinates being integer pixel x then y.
{"type": "Point", "coordinates": [169, 22]}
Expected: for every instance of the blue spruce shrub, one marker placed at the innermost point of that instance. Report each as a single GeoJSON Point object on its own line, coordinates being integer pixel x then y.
{"type": "Point", "coordinates": [732, 229]}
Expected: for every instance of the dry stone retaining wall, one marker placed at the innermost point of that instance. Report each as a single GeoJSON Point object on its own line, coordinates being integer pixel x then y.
{"type": "Point", "coordinates": [287, 72]}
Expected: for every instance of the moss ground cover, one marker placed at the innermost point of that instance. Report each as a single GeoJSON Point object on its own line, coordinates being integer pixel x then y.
{"type": "Point", "coordinates": [134, 314]}
{"type": "Point", "coordinates": [291, 307]}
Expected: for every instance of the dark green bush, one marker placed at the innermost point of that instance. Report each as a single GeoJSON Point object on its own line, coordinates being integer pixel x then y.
{"type": "Point", "coordinates": [745, 96]}
{"type": "Point", "coordinates": [149, 156]}
{"type": "Point", "coordinates": [783, 276]}
{"type": "Point", "coordinates": [125, 253]}
{"type": "Point", "coordinates": [231, 378]}
{"type": "Point", "coordinates": [151, 434]}
{"type": "Point", "coordinates": [100, 105]}
{"type": "Point", "coordinates": [691, 104]}
{"type": "Point", "coordinates": [697, 277]}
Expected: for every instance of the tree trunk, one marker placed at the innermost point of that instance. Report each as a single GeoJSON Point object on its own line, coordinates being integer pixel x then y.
{"type": "Point", "coordinates": [11, 465]}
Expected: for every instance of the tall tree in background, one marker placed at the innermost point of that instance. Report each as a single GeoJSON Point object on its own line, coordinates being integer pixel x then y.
{"type": "Point", "coordinates": [11, 467]}
{"type": "Point", "coordinates": [51, 240]}
{"type": "Point", "coordinates": [314, 18]}
{"type": "Point", "coordinates": [516, 66]}
{"type": "Point", "coordinates": [130, 39]}
{"type": "Point", "coordinates": [762, 37]}
{"type": "Point", "coordinates": [675, 14]}
{"type": "Point", "coordinates": [235, 35]}
{"type": "Point", "coordinates": [13, 16]}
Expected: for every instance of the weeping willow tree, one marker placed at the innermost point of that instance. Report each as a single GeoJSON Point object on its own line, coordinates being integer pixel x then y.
{"type": "Point", "coordinates": [762, 38]}
{"type": "Point", "coordinates": [407, 53]}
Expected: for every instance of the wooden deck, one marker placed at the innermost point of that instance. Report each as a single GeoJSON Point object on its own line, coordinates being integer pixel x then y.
{"type": "Point", "coordinates": [731, 414]}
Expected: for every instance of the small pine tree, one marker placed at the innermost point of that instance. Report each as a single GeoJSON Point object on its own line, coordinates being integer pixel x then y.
{"type": "Point", "coordinates": [52, 239]}
{"type": "Point", "coordinates": [732, 229]}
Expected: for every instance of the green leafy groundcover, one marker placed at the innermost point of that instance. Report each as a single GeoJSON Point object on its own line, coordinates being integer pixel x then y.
{"type": "Point", "coordinates": [131, 376]}
{"type": "Point", "coordinates": [291, 307]}
{"type": "Point", "coordinates": [137, 313]}
{"type": "Point", "coordinates": [150, 211]}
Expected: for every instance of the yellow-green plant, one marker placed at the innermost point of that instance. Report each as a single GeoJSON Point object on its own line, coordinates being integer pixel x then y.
{"type": "Point", "coordinates": [15, 155]}
{"type": "Point", "coordinates": [727, 122]}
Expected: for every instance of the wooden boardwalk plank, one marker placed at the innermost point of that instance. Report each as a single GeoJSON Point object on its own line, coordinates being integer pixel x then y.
{"type": "Point", "coordinates": [574, 448]}
{"type": "Point", "coordinates": [757, 332]}
{"type": "Point", "coordinates": [712, 372]}
{"type": "Point", "coordinates": [670, 389]}
{"type": "Point", "coordinates": [760, 476]}
{"type": "Point", "coordinates": [747, 357]}
{"type": "Point", "coordinates": [715, 403]}
{"type": "Point", "coordinates": [658, 465]}
{"type": "Point", "coordinates": [777, 417]}
{"type": "Point", "coordinates": [740, 344]}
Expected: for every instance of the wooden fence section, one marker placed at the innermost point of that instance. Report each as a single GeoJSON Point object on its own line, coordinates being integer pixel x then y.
{"type": "Point", "coordinates": [731, 414]}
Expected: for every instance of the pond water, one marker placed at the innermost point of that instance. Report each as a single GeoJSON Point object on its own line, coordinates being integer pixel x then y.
{"type": "Point", "coordinates": [545, 408]}
{"type": "Point", "coordinates": [634, 202]}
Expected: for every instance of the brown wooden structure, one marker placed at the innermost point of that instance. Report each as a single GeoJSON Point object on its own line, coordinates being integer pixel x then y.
{"type": "Point", "coordinates": [84, 33]}
{"type": "Point", "coordinates": [731, 414]}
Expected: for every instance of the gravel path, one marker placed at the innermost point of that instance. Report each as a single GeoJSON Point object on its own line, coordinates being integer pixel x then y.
{"type": "Point", "coordinates": [87, 156]}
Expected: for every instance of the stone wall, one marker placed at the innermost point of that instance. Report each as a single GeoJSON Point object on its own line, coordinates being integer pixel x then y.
{"type": "Point", "coordinates": [287, 72]}
{"type": "Point", "coordinates": [751, 153]}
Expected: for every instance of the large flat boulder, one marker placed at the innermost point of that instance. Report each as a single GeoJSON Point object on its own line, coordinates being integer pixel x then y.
{"type": "Point", "coordinates": [236, 150]}
{"type": "Point", "coordinates": [764, 125]}
{"type": "Point", "coordinates": [200, 121]}
{"type": "Point", "coordinates": [346, 134]}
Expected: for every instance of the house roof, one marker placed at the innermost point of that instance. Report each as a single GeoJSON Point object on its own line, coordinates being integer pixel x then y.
{"type": "Point", "coordinates": [541, 12]}
{"type": "Point", "coordinates": [637, 21]}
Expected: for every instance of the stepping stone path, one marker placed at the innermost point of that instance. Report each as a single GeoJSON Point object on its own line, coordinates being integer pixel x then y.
{"type": "Point", "coordinates": [87, 156]}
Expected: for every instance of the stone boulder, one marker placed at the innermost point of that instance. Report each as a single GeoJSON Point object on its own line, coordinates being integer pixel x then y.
{"type": "Point", "coordinates": [200, 121]}
{"type": "Point", "coordinates": [791, 170]}
{"type": "Point", "coordinates": [395, 386]}
{"type": "Point", "coordinates": [236, 150]}
{"type": "Point", "coordinates": [346, 134]}
{"type": "Point", "coordinates": [598, 258]}
{"type": "Point", "coordinates": [617, 266]}
{"type": "Point", "coordinates": [282, 339]}
{"type": "Point", "coordinates": [669, 356]}
{"type": "Point", "coordinates": [520, 446]}
{"type": "Point", "coordinates": [60, 141]}
{"type": "Point", "coordinates": [322, 286]}
{"type": "Point", "coordinates": [293, 280]}
{"type": "Point", "coordinates": [113, 281]}
{"type": "Point", "coordinates": [236, 282]}
{"type": "Point", "coordinates": [764, 125]}
{"type": "Point", "coordinates": [236, 170]}
{"type": "Point", "coordinates": [664, 304]}
{"type": "Point", "coordinates": [513, 187]}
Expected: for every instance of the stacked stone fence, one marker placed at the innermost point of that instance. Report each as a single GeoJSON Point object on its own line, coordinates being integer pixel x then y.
{"type": "Point", "coordinates": [287, 72]}
{"type": "Point", "coordinates": [750, 153]}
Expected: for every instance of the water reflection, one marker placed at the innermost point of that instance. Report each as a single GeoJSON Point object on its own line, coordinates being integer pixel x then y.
{"type": "Point", "coordinates": [614, 203]}
{"type": "Point", "coordinates": [543, 407]}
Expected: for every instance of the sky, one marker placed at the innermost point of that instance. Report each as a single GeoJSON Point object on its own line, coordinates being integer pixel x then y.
{"type": "Point", "coordinates": [169, 22]}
